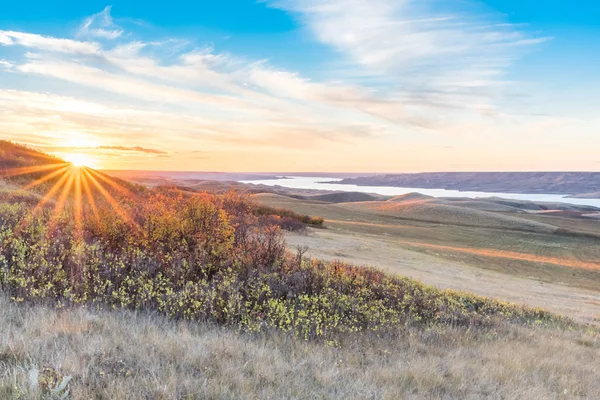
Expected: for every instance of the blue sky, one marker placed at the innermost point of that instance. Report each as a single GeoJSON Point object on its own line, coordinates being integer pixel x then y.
{"type": "Point", "coordinates": [328, 85]}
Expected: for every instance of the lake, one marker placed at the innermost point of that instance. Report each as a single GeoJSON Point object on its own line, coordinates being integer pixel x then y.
{"type": "Point", "coordinates": [317, 183]}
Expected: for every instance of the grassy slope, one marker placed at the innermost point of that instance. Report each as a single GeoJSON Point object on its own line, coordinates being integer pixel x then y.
{"type": "Point", "coordinates": [345, 197]}
{"type": "Point", "coordinates": [124, 355]}
{"type": "Point", "coordinates": [369, 221]}
{"type": "Point", "coordinates": [17, 156]}
{"type": "Point", "coordinates": [432, 211]}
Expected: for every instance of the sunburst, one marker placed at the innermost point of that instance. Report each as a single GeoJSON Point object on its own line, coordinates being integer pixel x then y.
{"type": "Point", "coordinates": [80, 160]}
{"type": "Point", "coordinates": [71, 181]}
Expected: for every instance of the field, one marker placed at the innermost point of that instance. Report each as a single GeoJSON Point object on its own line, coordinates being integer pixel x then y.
{"type": "Point", "coordinates": [539, 259]}
{"type": "Point", "coordinates": [136, 355]}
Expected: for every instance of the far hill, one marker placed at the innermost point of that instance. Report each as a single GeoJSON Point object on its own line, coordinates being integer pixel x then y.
{"type": "Point", "coordinates": [345, 197]}
{"type": "Point", "coordinates": [538, 205]}
{"type": "Point", "coordinates": [409, 197]}
{"type": "Point", "coordinates": [184, 178]}
{"type": "Point", "coordinates": [571, 183]}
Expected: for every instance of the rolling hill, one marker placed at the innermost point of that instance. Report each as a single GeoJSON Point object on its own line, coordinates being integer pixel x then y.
{"type": "Point", "coordinates": [573, 183]}
{"type": "Point", "coordinates": [466, 214]}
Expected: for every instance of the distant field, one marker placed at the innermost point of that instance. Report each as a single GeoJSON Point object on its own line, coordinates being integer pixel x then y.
{"type": "Point", "coordinates": [537, 259]}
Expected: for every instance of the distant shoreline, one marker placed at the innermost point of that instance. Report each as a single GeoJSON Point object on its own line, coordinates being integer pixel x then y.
{"type": "Point", "coordinates": [583, 185]}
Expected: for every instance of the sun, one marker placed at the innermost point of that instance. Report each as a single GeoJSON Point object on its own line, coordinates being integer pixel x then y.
{"type": "Point", "coordinates": [80, 160]}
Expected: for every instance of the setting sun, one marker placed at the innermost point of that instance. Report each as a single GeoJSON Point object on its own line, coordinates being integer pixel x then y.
{"type": "Point", "coordinates": [80, 160]}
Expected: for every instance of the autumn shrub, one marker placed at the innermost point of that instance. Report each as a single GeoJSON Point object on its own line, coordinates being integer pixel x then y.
{"type": "Point", "coordinates": [214, 258]}
{"type": "Point", "coordinates": [288, 216]}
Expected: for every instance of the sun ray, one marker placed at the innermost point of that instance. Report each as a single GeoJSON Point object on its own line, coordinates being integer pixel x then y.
{"type": "Point", "coordinates": [45, 178]}
{"type": "Point", "coordinates": [62, 200]}
{"type": "Point", "coordinates": [50, 194]}
{"type": "Point", "coordinates": [78, 207]}
{"type": "Point", "coordinates": [45, 199]}
{"type": "Point", "coordinates": [118, 209]}
{"type": "Point", "coordinates": [72, 180]}
{"type": "Point", "coordinates": [8, 173]}
{"type": "Point", "coordinates": [113, 184]}
{"type": "Point", "coordinates": [90, 196]}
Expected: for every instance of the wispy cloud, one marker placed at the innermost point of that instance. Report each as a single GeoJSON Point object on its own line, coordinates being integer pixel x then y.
{"type": "Point", "coordinates": [105, 150]}
{"type": "Point", "coordinates": [204, 78]}
{"type": "Point", "coordinates": [422, 53]}
{"type": "Point", "coordinates": [218, 83]}
{"type": "Point", "coordinates": [403, 73]}
{"type": "Point", "coordinates": [131, 86]}
{"type": "Point", "coordinates": [47, 43]}
{"type": "Point", "coordinates": [56, 117]}
{"type": "Point", "coordinates": [137, 149]}
{"type": "Point", "coordinates": [100, 25]}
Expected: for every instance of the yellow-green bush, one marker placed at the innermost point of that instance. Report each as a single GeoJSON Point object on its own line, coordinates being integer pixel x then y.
{"type": "Point", "coordinates": [212, 258]}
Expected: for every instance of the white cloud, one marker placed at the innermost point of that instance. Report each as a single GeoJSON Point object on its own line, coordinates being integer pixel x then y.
{"type": "Point", "coordinates": [410, 71]}
{"type": "Point", "coordinates": [44, 118]}
{"type": "Point", "coordinates": [100, 25]}
{"type": "Point", "coordinates": [195, 78]}
{"type": "Point", "coordinates": [125, 85]}
{"type": "Point", "coordinates": [5, 39]}
{"type": "Point", "coordinates": [202, 77]}
{"type": "Point", "coordinates": [292, 85]}
{"type": "Point", "coordinates": [416, 48]}
{"type": "Point", "coordinates": [47, 43]}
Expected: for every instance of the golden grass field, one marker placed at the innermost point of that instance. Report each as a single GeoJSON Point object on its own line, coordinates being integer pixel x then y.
{"type": "Point", "coordinates": [538, 259]}
{"type": "Point", "coordinates": [124, 355]}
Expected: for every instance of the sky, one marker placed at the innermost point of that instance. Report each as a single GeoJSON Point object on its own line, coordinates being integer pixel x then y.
{"type": "Point", "coordinates": [305, 85]}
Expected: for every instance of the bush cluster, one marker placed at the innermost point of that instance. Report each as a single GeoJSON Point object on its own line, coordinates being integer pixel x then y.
{"type": "Point", "coordinates": [289, 219]}
{"type": "Point", "coordinates": [213, 258]}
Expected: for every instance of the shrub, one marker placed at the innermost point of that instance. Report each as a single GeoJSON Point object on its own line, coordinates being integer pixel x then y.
{"type": "Point", "coordinates": [214, 258]}
{"type": "Point", "coordinates": [287, 216]}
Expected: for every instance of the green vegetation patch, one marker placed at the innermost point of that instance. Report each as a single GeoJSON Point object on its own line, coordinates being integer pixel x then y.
{"type": "Point", "coordinates": [211, 258]}
{"type": "Point", "coordinates": [289, 219]}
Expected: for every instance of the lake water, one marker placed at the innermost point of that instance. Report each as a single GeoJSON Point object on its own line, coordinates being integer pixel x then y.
{"type": "Point", "coordinates": [317, 183]}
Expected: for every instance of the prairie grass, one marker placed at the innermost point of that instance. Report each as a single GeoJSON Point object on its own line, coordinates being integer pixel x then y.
{"type": "Point", "coordinates": [142, 355]}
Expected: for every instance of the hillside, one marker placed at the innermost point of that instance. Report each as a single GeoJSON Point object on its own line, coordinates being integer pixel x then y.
{"type": "Point", "coordinates": [344, 197]}
{"type": "Point", "coordinates": [217, 307]}
{"type": "Point", "coordinates": [467, 214]}
{"type": "Point", "coordinates": [592, 195]}
{"type": "Point", "coordinates": [573, 183]}
{"type": "Point", "coordinates": [156, 223]}
{"type": "Point", "coordinates": [547, 259]}
{"type": "Point", "coordinates": [409, 197]}
{"type": "Point", "coordinates": [17, 156]}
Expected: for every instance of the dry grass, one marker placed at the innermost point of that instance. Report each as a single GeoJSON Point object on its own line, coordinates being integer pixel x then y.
{"type": "Point", "coordinates": [437, 211]}
{"type": "Point", "coordinates": [355, 219]}
{"type": "Point", "coordinates": [123, 355]}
